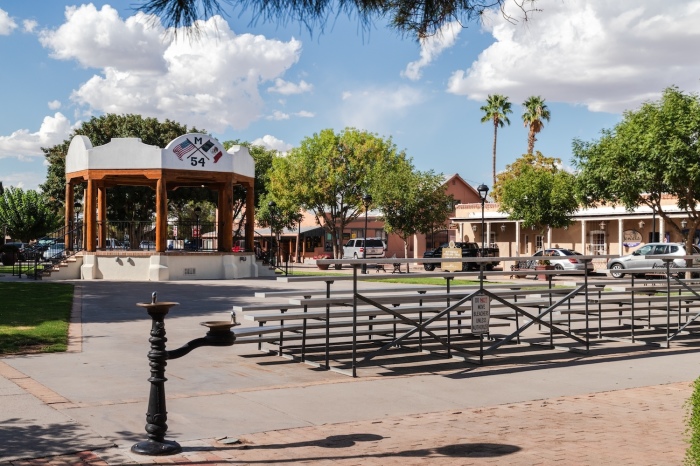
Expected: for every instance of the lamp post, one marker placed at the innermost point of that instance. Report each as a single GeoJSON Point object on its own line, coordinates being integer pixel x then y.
{"type": "Point", "coordinates": [483, 191]}
{"type": "Point", "coordinates": [77, 206]}
{"type": "Point", "coordinates": [197, 213]}
{"type": "Point", "coordinates": [273, 206]}
{"type": "Point", "coordinates": [366, 200]}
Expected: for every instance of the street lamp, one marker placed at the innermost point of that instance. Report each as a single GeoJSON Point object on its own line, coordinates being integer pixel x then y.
{"type": "Point", "coordinates": [197, 213]}
{"type": "Point", "coordinates": [366, 200]}
{"type": "Point", "coordinates": [483, 191]}
{"type": "Point", "coordinates": [77, 206]}
{"type": "Point", "coordinates": [273, 206]}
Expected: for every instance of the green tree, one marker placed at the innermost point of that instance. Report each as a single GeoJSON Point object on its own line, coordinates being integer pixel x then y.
{"type": "Point", "coordinates": [496, 110]}
{"type": "Point", "coordinates": [413, 202]}
{"type": "Point", "coordinates": [26, 214]}
{"type": "Point", "coordinates": [263, 163]}
{"type": "Point", "coordinates": [654, 151]}
{"type": "Point", "coordinates": [534, 113]}
{"type": "Point", "coordinates": [417, 18]}
{"type": "Point", "coordinates": [123, 202]}
{"type": "Point", "coordinates": [329, 173]}
{"type": "Point", "coordinates": [535, 190]}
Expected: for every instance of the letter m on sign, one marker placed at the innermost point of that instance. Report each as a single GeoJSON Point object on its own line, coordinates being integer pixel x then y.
{"type": "Point", "coordinates": [198, 141]}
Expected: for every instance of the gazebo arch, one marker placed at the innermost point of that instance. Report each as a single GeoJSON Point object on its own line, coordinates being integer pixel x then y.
{"type": "Point", "coordinates": [191, 160]}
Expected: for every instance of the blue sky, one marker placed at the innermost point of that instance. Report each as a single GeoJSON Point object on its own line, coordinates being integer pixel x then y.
{"type": "Point", "coordinates": [271, 85]}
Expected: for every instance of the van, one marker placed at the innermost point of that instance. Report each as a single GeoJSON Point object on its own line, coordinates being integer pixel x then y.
{"type": "Point", "coordinates": [354, 249]}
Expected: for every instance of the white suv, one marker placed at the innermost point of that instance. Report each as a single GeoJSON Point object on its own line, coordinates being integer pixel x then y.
{"type": "Point", "coordinates": [354, 249]}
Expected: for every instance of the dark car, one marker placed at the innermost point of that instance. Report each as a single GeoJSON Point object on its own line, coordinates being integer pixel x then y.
{"type": "Point", "coordinates": [195, 244]}
{"type": "Point", "coordinates": [468, 250]}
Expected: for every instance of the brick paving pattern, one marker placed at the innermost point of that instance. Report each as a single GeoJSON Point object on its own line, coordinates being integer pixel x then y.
{"type": "Point", "coordinates": [642, 426]}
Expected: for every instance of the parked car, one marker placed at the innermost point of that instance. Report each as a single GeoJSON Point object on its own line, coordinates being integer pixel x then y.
{"type": "Point", "coordinates": [355, 249]}
{"type": "Point", "coordinates": [20, 248]}
{"type": "Point", "coordinates": [568, 259]}
{"type": "Point", "coordinates": [193, 244]}
{"type": "Point", "coordinates": [639, 260]}
{"type": "Point", "coordinates": [111, 243]}
{"type": "Point", "coordinates": [147, 245]}
{"type": "Point", "coordinates": [55, 251]}
{"type": "Point", "coordinates": [468, 250]}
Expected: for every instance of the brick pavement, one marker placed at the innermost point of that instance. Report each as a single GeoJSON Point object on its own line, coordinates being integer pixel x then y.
{"type": "Point", "coordinates": [641, 426]}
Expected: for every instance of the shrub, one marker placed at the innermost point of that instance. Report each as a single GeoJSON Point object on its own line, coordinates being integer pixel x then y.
{"type": "Point", "coordinates": [692, 454]}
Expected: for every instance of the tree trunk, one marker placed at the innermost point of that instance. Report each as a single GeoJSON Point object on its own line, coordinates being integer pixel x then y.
{"type": "Point", "coordinates": [493, 171]}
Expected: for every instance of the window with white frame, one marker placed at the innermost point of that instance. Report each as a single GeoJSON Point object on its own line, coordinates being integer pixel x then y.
{"type": "Point", "coordinates": [539, 243]}
{"type": "Point", "coordinates": [597, 243]}
{"type": "Point", "coordinates": [492, 239]}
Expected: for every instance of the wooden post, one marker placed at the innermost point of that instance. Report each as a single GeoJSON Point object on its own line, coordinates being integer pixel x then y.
{"type": "Point", "coordinates": [70, 214]}
{"type": "Point", "coordinates": [102, 216]}
{"type": "Point", "coordinates": [250, 217]}
{"type": "Point", "coordinates": [161, 215]}
{"type": "Point", "coordinates": [90, 216]}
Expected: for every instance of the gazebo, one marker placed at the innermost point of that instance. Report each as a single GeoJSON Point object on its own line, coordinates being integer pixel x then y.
{"type": "Point", "coordinates": [191, 160]}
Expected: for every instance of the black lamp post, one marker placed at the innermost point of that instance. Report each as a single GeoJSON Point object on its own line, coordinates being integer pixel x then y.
{"type": "Point", "coordinates": [197, 213]}
{"type": "Point", "coordinates": [273, 208]}
{"type": "Point", "coordinates": [77, 206]}
{"type": "Point", "coordinates": [483, 191]}
{"type": "Point", "coordinates": [366, 200]}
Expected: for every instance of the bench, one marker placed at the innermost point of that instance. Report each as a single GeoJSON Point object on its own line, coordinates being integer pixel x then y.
{"type": "Point", "coordinates": [527, 266]}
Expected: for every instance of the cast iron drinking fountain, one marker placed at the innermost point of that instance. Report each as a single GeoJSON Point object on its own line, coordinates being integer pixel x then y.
{"type": "Point", "coordinates": [219, 334]}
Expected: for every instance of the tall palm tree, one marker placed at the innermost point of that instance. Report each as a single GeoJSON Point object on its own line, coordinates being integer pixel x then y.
{"type": "Point", "coordinates": [533, 117]}
{"type": "Point", "coordinates": [496, 109]}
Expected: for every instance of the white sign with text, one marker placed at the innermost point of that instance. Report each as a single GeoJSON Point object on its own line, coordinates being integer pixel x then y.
{"type": "Point", "coordinates": [481, 314]}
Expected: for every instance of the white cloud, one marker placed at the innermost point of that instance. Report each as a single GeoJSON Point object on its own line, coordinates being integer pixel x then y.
{"type": "Point", "coordinates": [7, 24]}
{"type": "Point", "coordinates": [211, 82]}
{"type": "Point", "coordinates": [55, 104]}
{"type": "Point", "coordinates": [29, 25]}
{"type": "Point", "coordinates": [305, 114]}
{"type": "Point", "coordinates": [373, 108]}
{"type": "Point", "coordinates": [608, 56]}
{"type": "Point", "coordinates": [24, 144]}
{"type": "Point", "coordinates": [286, 88]}
{"type": "Point", "coordinates": [25, 180]}
{"type": "Point", "coordinates": [271, 142]}
{"type": "Point", "coordinates": [277, 115]}
{"type": "Point", "coordinates": [431, 47]}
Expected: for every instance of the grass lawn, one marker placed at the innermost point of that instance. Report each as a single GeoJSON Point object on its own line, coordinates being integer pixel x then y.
{"type": "Point", "coordinates": [34, 317]}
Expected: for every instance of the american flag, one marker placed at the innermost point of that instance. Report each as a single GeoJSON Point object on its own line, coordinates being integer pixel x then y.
{"type": "Point", "coordinates": [184, 148]}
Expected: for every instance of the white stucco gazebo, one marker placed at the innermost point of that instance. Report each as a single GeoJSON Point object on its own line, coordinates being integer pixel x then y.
{"type": "Point", "coordinates": [191, 160]}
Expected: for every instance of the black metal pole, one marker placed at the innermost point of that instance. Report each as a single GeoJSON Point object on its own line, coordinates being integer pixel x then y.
{"type": "Point", "coordinates": [364, 249]}
{"type": "Point", "coordinates": [483, 233]}
{"type": "Point", "coordinates": [157, 415]}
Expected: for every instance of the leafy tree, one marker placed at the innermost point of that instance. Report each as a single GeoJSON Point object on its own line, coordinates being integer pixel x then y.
{"type": "Point", "coordinates": [654, 151]}
{"type": "Point", "coordinates": [419, 18]}
{"type": "Point", "coordinates": [123, 202]}
{"type": "Point", "coordinates": [535, 190]}
{"type": "Point", "coordinates": [263, 162]}
{"type": "Point", "coordinates": [329, 173]}
{"type": "Point", "coordinates": [534, 114]}
{"type": "Point", "coordinates": [413, 202]}
{"type": "Point", "coordinates": [26, 214]}
{"type": "Point", "coordinates": [496, 110]}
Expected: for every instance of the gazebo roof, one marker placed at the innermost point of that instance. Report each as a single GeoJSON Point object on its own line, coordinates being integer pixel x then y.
{"type": "Point", "coordinates": [194, 152]}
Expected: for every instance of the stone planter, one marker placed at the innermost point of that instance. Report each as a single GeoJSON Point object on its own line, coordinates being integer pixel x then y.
{"type": "Point", "coordinates": [544, 267]}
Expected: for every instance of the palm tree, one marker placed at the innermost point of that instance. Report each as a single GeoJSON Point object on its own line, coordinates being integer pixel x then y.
{"type": "Point", "coordinates": [535, 112]}
{"type": "Point", "coordinates": [496, 109]}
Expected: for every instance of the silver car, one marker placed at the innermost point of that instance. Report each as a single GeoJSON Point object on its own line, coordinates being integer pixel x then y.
{"type": "Point", "coordinates": [565, 259]}
{"type": "Point", "coordinates": [639, 260]}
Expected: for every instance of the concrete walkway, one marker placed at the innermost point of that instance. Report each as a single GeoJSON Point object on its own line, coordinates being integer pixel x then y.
{"type": "Point", "coordinates": [239, 406]}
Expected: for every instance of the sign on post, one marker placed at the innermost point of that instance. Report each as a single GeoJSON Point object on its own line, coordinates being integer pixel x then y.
{"type": "Point", "coordinates": [451, 253]}
{"type": "Point", "coordinates": [481, 313]}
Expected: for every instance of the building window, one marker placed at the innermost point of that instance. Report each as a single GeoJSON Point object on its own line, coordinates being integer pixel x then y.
{"type": "Point", "coordinates": [379, 233]}
{"type": "Point", "coordinates": [492, 239]}
{"type": "Point", "coordinates": [539, 243]}
{"type": "Point", "coordinates": [527, 244]}
{"type": "Point", "coordinates": [597, 243]}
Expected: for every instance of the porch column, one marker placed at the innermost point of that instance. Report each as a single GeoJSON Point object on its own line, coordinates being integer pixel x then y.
{"type": "Point", "coordinates": [583, 237]}
{"type": "Point", "coordinates": [70, 214]}
{"type": "Point", "coordinates": [249, 217]}
{"type": "Point", "coordinates": [517, 238]}
{"type": "Point", "coordinates": [620, 235]}
{"type": "Point", "coordinates": [161, 215]}
{"type": "Point", "coordinates": [226, 214]}
{"type": "Point", "coordinates": [662, 229]}
{"type": "Point", "coordinates": [90, 215]}
{"type": "Point", "coordinates": [549, 237]}
{"type": "Point", "coordinates": [102, 216]}
{"type": "Point", "coordinates": [488, 234]}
